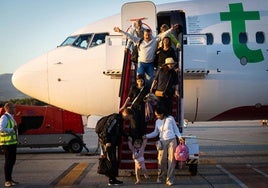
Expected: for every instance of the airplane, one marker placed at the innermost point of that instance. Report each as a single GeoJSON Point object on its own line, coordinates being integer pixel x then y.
{"type": "Point", "coordinates": [224, 61]}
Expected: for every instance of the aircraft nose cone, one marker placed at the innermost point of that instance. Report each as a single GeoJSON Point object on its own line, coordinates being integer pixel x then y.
{"type": "Point", "coordinates": [31, 79]}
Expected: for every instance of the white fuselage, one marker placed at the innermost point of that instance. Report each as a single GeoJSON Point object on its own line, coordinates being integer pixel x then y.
{"type": "Point", "coordinates": [73, 78]}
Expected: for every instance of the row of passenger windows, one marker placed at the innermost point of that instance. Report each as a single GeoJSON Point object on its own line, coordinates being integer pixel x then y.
{"type": "Point", "coordinates": [90, 40]}
{"type": "Point", "coordinates": [243, 38]}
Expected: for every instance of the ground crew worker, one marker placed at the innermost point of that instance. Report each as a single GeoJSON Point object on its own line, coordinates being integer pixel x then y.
{"type": "Point", "coordinates": [9, 141]}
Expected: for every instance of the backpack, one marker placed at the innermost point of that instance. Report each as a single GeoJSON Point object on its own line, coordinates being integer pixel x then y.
{"type": "Point", "coordinates": [105, 125]}
{"type": "Point", "coordinates": [135, 52]}
{"type": "Point", "coordinates": [182, 153]}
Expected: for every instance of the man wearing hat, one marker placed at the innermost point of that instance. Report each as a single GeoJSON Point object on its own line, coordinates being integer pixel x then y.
{"type": "Point", "coordinates": [165, 84]}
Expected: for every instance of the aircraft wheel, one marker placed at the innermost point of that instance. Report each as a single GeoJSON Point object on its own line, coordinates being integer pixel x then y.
{"type": "Point", "coordinates": [75, 146]}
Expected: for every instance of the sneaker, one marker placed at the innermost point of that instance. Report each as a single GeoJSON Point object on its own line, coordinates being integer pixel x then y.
{"type": "Point", "coordinates": [115, 182]}
{"type": "Point", "coordinates": [146, 176]}
{"type": "Point", "coordinates": [169, 183]}
{"type": "Point", "coordinates": [14, 182]}
{"type": "Point", "coordinates": [8, 184]}
{"type": "Point", "coordinates": [158, 181]}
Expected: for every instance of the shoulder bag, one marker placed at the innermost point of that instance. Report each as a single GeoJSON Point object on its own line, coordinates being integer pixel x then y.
{"type": "Point", "coordinates": [159, 144]}
{"type": "Point", "coordinates": [159, 93]}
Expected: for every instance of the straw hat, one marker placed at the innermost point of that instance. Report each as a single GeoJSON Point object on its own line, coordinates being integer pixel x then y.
{"type": "Point", "coordinates": [169, 60]}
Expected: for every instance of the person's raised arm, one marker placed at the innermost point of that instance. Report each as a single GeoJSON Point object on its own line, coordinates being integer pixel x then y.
{"type": "Point", "coordinates": [167, 32]}
{"type": "Point", "coordinates": [128, 35]}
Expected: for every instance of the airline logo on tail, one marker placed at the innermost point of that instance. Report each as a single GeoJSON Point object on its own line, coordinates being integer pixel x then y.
{"type": "Point", "coordinates": [238, 16]}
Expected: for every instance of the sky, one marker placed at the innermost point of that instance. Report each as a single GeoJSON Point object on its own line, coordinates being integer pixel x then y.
{"type": "Point", "coordinates": [30, 28]}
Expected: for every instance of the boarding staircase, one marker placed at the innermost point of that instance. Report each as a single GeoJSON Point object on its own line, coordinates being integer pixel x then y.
{"type": "Point", "coordinates": [125, 156]}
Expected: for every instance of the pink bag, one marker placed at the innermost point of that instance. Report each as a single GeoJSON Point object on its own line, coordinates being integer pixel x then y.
{"type": "Point", "coordinates": [181, 153]}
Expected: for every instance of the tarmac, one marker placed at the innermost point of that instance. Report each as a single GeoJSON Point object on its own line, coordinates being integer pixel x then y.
{"type": "Point", "coordinates": [93, 179]}
{"type": "Point", "coordinates": [225, 161]}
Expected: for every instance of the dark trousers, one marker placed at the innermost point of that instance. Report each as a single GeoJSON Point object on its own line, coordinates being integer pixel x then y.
{"type": "Point", "coordinates": [138, 125]}
{"type": "Point", "coordinates": [10, 152]}
{"type": "Point", "coordinates": [111, 152]}
{"type": "Point", "coordinates": [166, 102]}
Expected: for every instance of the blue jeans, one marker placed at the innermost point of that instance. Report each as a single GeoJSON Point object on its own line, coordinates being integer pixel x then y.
{"type": "Point", "coordinates": [147, 69]}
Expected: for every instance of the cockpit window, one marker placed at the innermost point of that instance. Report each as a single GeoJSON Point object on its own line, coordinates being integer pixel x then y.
{"type": "Point", "coordinates": [69, 41]}
{"type": "Point", "coordinates": [85, 41]}
{"type": "Point", "coordinates": [99, 38]}
{"type": "Point", "coordinates": [82, 41]}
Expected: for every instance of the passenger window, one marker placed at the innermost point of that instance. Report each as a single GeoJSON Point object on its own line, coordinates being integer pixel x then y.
{"type": "Point", "coordinates": [99, 38]}
{"type": "Point", "coordinates": [210, 39]}
{"type": "Point", "coordinates": [243, 38]}
{"type": "Point", "coordinates": [225, 38]}
{"type": "Point", "coordinates": [260, 38]}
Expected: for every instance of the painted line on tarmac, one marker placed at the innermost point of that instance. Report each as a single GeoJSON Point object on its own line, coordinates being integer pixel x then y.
{"type": "Point", "coordinates": [232, 141]}
{"type": "Point", "coordinates": [240, 183]}
{"type": "Point", "coordinates": [258, 171]}
{"type": "Point", "coordinates": [73, 175]}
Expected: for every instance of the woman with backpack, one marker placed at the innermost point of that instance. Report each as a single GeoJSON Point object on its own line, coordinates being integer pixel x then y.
{"type": "Point", "coordinates": [110, 132]}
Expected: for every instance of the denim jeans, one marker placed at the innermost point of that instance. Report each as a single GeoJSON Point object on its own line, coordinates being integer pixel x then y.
{"type": "Point", "coordinates": [147, 69]}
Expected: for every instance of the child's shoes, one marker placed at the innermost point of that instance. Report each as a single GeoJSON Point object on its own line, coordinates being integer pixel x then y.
{"type": "Point", "coordinates": [146, 176]}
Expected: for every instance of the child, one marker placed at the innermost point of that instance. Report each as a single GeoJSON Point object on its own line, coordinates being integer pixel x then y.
{"type": "Point", "coordinates": [137, 149]}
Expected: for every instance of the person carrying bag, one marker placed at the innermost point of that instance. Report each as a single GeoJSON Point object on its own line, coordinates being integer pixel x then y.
{"type": "Point", "coordinates": [166, 84]}
{"type": "Point", "coordinates": [167, 129]}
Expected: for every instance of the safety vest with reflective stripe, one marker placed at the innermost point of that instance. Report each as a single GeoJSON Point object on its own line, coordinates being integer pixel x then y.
{"type": "Point", "coordinates": [9, 138]}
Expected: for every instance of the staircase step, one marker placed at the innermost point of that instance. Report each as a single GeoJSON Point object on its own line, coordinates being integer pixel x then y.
{"type": "Point", "coordinates": [148, 154]}
{"type": "Point", "coordinates": [129, 164]}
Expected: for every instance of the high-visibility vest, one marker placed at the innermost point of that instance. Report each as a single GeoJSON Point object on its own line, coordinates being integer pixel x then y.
{"type": "Point", "coordinates": [9, 138]}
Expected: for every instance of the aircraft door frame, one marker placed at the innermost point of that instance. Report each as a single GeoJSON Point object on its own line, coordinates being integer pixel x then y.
{"type": "Point", "coordinates": [144, 10]}
{"type": "Point", "coordinates": [131, 12]}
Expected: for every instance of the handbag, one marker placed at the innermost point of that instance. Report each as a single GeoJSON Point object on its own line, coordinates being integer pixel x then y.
{"type": "Point", "coordinates": [159, 93]}
{"type": "Point", "coordinates": [159, 143]}
{"type": "Point", "coordinates": [105, 164]}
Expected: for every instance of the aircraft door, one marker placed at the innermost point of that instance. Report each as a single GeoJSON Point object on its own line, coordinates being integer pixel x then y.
{"type": "Point", "coordinates": [145, 10]}
{"type": "Point", "coordinates": [170, 18]}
